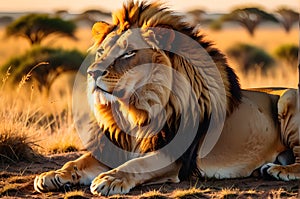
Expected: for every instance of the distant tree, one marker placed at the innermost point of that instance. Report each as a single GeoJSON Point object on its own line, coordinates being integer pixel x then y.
{"type": "Point", "coordinates": [287, 17]}
{"type": "Point", "coordinates": [51, 63]}
{"type": "Point", "coordinates": [197, 15]}
{"type": "Point", "coordinates": [249, 18]}
{"type": "Point", "coordinates": [91, 16]}
{"type": "Point", "coordinates": [288, 53]}
{"type": "Point", "coordinates": [6, 20]}
{"type": "Point", "coordinates": [36, 27]}
{"type": "Point", "coordinates": [216, 24]}
{"type": "Point", "coordinates": [249, 57]}
{"type": "Point", "coordinates": [61, 13]}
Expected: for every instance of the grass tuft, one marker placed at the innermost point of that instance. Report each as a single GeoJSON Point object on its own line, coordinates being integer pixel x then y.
{"type": "Point", "coordinates": [249, 194]}
{"type": "Point", "coordinates": [153, 195]}
{"type": "Point", "coordinates": [15, 146]}
{"type": "Point", "coordinates": [11, 189]}
{"type": "Point", "coordinates": [229, 193]}
{"type": "Point", "coordinates": [75, 195]}
{"type": "Point", "coordinates": [191, 193]}
{"type": "Point", "coordinates": [281, 193]}
{"type": "Point", "coordinates": [118, 197]}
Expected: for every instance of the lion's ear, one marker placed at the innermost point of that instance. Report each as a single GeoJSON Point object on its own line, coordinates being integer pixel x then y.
{"type": "Point", "coordinates": [165, 36]}
{"type": "Point", "coordinates": [100, 30]}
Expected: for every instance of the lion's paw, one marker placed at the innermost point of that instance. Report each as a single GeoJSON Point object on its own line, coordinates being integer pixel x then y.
{"type": "Point", "coordinates": [54, 180]}
{"type": "Point", "coordinates": [278, 171]}
{"type": "Point", "coordinates": [110, 183]}
{"type": "Point", "coordinates": [47, 181]}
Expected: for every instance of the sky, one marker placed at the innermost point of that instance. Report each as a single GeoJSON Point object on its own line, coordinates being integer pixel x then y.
{"type": "Point", "coordinates": [75, 6]}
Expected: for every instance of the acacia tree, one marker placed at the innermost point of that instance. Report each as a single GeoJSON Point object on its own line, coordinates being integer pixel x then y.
{"type": "Point", "coordinates": [36, 27]}
{"type": "Point", "coordinates": [197, 15]}
{"type": "Point", "coordinates": [288, 53]}
{"type": "Point", "coordinates": [249, 18]}
{"type": "Point", "coordinates": [91, 16]}
{"type": "Point", "coordinates": [287, 17]}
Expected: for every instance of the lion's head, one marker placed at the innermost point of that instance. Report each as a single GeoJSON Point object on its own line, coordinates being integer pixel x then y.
{"type": "Point", "coordinates": [124, 72]}
{"type": "Point", "coordinates": [148, 71]}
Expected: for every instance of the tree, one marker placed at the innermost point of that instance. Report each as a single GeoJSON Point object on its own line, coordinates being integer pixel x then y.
{"type": "Point", "coordinates": [249, 18]}
{"type": "Point", "coordinates": [6, 20]}
{"type": "Point", "coordinates": [61, 13]}
{"type": "Point", "coordinates": [288, 53]}
{"type": "Point", "coordinates": [92, 16]}
{"type": "Point", "coordinates": [287, 17]}
{"type": "Point", "coordinates": [197, 15]}
{"type": "Point", "coordinates": [36, 27]}
{"type": "Point", "coordinates": [249, 57]}
{"type": "Point", "coordinates": [43, 64]}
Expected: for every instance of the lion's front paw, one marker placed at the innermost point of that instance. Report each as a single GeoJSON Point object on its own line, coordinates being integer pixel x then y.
{"type": "Point", "coordinates": [54, 180]}
{"type": "Point", "coordinates": [281, 172]}
{"type": "Point", "coordinates": [110, 183]}
{"type": "Point", "coordinates": [47, 181]}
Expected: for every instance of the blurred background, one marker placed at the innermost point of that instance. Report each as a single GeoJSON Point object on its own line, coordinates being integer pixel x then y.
{"type": "Point", "coordinates": [43, 43]}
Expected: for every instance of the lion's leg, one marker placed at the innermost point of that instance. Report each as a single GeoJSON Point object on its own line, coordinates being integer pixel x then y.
{"type": "Point", "coordinates": [80, 171]}
{"type": "Point", "coordinates": [289, 117]}
{"type": "Point", "coordinates": [135, 172]}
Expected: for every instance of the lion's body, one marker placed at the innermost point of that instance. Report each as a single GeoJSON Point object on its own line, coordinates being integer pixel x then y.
{"type": "Point", "coordinates": [247, 146]}
{"type": "Point", "coordinates": [162, 84]}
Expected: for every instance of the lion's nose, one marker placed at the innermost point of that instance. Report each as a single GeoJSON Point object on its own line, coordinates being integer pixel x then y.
{"type": "Point", "coordinates": [95, 74]}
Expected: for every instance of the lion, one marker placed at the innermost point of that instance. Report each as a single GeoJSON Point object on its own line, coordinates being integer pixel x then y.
{"type": "Point", "coordinates": [165, 109]}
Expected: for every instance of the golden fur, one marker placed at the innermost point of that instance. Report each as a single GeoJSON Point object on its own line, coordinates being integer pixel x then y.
{"type": "Point", "coordinates": [123, 101]}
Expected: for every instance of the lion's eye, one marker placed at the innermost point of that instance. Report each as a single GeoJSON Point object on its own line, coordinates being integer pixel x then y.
{"type": "Point", "coordinates": [99, 53]}
{"type": "Point", "coordinates": [129, 54]}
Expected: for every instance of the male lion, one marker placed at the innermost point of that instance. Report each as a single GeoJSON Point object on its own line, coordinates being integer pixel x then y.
{"type": "Point", "coordinates": [167, 105]}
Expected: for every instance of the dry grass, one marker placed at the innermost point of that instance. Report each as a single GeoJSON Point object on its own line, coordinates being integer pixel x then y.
{"type": "Point", "coordinates": [15, 147]}
{"type": "Point", "coordinates": [228, 193]}
{"type": "Point", "coordinates": [16, 126]}
{"type": "Point", "coordinates": [154, 194]}
{"type": "Point", "coordinates": [13, 188]}
{"type": "Point", "coordinates": [192, 192]}
{"type": "Point", "coordinates": [31, 120]}
{"type": "Point", "coordinates": [280, 76]}
{"type": "Point", "coordinates": [75, 195]}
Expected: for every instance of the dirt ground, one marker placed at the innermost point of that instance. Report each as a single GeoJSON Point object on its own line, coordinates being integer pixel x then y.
{"type": "Point", "coordinates": [16, 181]}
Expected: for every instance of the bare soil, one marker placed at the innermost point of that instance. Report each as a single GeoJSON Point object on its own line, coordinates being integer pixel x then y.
{"type": "Point", "coordinates": [16, 181]}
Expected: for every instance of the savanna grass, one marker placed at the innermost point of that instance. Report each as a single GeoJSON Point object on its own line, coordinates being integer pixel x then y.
{"type": "Point", "coordinates": [32, 123]}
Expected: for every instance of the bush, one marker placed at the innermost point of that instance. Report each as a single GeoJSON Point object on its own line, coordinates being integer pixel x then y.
{"type": "Point", "coordinates": [43, 64]}
{"type": "Point", "coordinates": [216, 25]}
{"type": "Point", "coordinates": [249, 57]}
{"type": "Point", "coordinates": [288, 53]}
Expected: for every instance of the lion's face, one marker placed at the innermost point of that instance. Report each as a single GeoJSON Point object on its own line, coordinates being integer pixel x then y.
{"type": "Point", "coordinates": [131, 74]}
